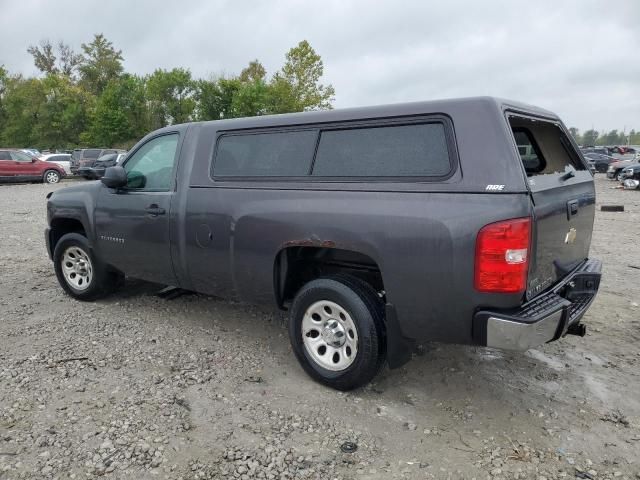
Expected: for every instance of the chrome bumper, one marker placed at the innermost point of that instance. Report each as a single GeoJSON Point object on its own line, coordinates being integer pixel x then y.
{"type": "Point", "coordinates": [546, 317]}
{"type": "Point", "coordinates": [510, 335]}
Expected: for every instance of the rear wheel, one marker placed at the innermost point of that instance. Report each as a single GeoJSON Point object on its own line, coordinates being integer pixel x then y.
{"type": "Point", "coordinates": [79, 272]}
{"type": "Point", "coordinates": [51, 176]}
{"type": "Point", "coordinates": [336, 329]}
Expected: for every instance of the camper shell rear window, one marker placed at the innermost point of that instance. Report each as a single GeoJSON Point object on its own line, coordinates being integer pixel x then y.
{"type": "Point", "coordinates": [543, 147]}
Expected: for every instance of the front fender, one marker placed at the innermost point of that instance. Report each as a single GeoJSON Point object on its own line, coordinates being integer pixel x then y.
{"type": "Point", "coordinates": [76, 203]}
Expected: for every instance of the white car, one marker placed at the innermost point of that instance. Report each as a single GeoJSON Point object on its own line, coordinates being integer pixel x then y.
{"type": "Point", "coordinates": [62, 159]}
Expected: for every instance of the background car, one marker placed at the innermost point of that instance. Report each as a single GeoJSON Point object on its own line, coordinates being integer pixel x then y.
{"type": "Point", "coordinates": [631, 177]}
{"type": "Point", "coordinates": [615, 169]}
{"type": "Point", "coordinates": [104, 162]}
{"type": "Point", "coordinates": [599, 161]}
{"type": "Point", "coordinates": [18, 166]}
{"type": "Point", "coordinates": [62, 159]}
{"type": "Point", "coordinates": [622, 150]}
{"type": "Point", "coordinates": [630, 171]}
{"type": "Point", "coordinates": [83, 159]}
{"type": "Point", "coordinates": [34, 152]}
{"type": "Point", "coordinates": [600, 150]}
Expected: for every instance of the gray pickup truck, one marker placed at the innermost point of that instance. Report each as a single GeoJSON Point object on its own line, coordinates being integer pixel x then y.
{"type": "Point", "coordinates": [464, 221]}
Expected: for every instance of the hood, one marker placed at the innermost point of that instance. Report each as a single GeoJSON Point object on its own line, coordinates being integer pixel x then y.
{"type": "Point", "coordinates": [51, 165]}
{"type": "Point", "coordinates": [90, 187]}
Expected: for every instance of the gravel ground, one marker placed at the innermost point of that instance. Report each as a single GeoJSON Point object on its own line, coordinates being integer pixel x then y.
{"type": "Point", "coordinates": [135, 386]}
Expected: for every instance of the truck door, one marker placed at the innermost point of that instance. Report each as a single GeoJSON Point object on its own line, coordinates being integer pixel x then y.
{"type": "Point", "coordinates": [133, 223]}
{"type": "Point", "coordinates": [563, 198]}
{"type": "Point", "coordinates": [25, 166]}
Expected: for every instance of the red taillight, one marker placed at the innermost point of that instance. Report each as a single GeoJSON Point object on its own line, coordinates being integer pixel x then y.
{"type": "Point", "coordinates": [502, 256]}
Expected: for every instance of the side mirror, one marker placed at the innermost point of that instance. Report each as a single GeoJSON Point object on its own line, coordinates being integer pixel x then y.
{"type": "Point", "coordinates": [34, 160]}
{"type": "Point", "coordinates": [114, 177]}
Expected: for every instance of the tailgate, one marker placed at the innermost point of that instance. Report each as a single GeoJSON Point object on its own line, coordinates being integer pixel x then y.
{"type": "Point", "coordinates": [563, 198]}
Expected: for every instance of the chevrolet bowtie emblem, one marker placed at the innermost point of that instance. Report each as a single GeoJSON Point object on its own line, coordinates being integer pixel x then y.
{"type": "Point", "coordinates": [571, 236]}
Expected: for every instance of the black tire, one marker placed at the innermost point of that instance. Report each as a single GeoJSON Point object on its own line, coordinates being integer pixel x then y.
{"type": "Point", "coordinates": [366, 310]}
{"type": "Point", "coordinates": [51, 176]}
{"type": "Point", "coordinates": [103, 280]}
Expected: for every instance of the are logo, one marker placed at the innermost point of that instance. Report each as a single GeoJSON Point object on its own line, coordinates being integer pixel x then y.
{"type": "Point", "coordinates": [494, 188]}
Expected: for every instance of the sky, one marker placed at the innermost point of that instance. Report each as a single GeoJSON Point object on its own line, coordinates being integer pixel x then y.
{"type": "Point", "coordinates": [578, 58]}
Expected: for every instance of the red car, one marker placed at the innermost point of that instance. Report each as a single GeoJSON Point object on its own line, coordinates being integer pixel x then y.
{"type": "Point", "coordinates": [17, 166]}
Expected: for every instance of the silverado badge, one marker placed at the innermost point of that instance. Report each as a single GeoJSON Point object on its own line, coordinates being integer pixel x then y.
{"type": "Point", "coordinates": [571, 236]}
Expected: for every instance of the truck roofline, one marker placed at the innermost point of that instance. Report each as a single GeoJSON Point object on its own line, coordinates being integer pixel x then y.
{"type": "Point", "coordinates": [376, 111]}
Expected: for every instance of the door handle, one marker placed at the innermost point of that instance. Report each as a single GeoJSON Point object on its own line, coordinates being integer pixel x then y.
{"type": "Point", "coordinates": [572, 208]}
{"type": "Point", "coordinates": [153, 210]}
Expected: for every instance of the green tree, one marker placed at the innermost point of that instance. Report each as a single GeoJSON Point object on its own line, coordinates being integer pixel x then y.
{"type": "Point", "coordinates": [100, 63]}
{"type": "Point", "coordinates": [45, 59]}
{"type": "Point", "coordinates": [49, 112]}
{"type": "Point", "coordinates": [231, 98]}
{"type": "Point", "coordinates": [575, 133]}
{"type": "Point", "coordinates": [4, 78]}
{"type": "Point", "coordinates": [89, 99]}
{"type": "Point", "coordinates": [64, 113]}
{"type": "Point", "coordinates": [68, 59]}
{"type": "Point", "coordinates": [589, 137]}
{"type": "Point", "coordinates": [121, 114]}
{"type": "Point", "coordinates": [613, 137]}
{"type": "Point", "coordinates": [171, 96]}
{"type": "Point", "coordinates": [250, 99]}
{"type": "Point", "coordinates": [215, 98]}
{"type": "Point", "coordinates": [296, 87]}
{"type": "Point", "coordinates": [22, 104]}
{"type": "Point", "coordinates": [253, 72]}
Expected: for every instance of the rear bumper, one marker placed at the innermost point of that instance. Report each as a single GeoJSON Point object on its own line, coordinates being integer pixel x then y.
{"type": "Point", "coordinates": [543, 319]}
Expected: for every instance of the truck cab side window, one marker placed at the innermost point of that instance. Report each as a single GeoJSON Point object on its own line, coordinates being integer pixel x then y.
{"type": "Point", "coordinates": [544, 148]}
{"type": "Point", "coordinates": [151, 166]}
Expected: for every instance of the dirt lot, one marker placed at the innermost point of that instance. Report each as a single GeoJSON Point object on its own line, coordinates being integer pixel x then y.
{"type": "Point", "coordinates": [140, 387]}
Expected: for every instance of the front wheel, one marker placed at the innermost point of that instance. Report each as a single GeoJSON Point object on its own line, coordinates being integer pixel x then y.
{"type": "Point", "coordinates": [51, 176]}
{"type": "Point", "coordinates": [79, 272]}
{"type": "Point", "coordinates": [336, 329]}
